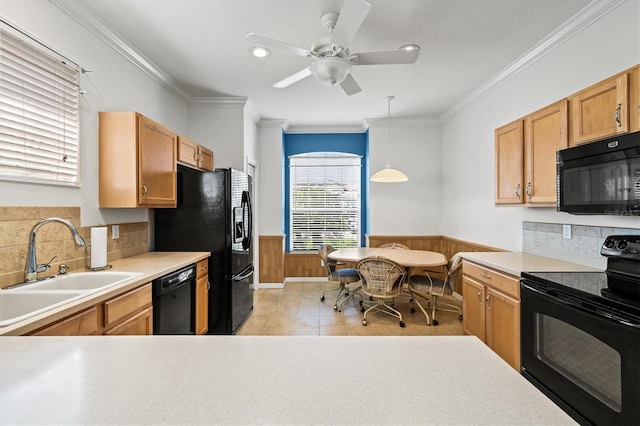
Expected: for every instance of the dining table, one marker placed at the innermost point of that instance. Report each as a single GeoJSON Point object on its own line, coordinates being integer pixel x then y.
{"type": "Point", "coordinates": [404, 257]}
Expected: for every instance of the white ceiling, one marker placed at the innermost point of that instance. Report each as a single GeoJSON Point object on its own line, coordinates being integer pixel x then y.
{"type": "Point", "coordinates": [464, 43]}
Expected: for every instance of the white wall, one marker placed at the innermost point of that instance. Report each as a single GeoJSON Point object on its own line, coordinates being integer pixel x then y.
{"type": "Point", "coordinates": [271, 177]}
{"type": "Point", "coordinates": [114, 84]}
{"type": "Point", "coordinates": [608, 46]}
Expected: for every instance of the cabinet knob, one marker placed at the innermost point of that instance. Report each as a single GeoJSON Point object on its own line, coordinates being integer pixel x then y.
{"type": "Point", "coordinates": [489, 301]}
{"type": "Point", "coordinates": [529, 192]}
{"type": "Point", "coordinates": [480, 297]}
{"type": "Point", "coordinates": [485, 276]}
{"type": "Point", "coordinates": [145, 191]}
{"type": "Point", "coordinates": [518, 191]}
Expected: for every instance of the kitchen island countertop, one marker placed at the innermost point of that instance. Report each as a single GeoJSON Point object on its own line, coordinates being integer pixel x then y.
{"type": "Point", "coordinates": [264, 380]}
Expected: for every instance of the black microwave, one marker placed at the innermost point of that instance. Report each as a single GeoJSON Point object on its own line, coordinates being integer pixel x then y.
{"type": "Point", "coordinates": [600, 177]}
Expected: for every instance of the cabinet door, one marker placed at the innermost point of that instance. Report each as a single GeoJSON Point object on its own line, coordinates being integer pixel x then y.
{"type": "Point", "coordinates": [205, 158]}
{"type": "Point", "coordinates": [473, 320]}
{"type": "Point", "coordinates": [202, 305]}
{"type": "Point", "coordinates": [634, 99]}
{"type": "Point", "coordinates": [140, 324]}
{"type": "Point", "coordinates": [187, 151]}
{"type": "Point", "coordinates": [156, 165]}
{"type": "Point", "coordinates": [509, 147]}
{"type": "Point", "coordinates": [503, 326]}
{"type": "Point", "coordinates": [545, 133]}
{"type": "Point", "coordinates": [82, 324]}
{"type": "Point", "coordinates": [600, 111]}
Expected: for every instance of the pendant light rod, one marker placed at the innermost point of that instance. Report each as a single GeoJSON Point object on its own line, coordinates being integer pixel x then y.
{"type": "Point", "coordinates": [388, 174]}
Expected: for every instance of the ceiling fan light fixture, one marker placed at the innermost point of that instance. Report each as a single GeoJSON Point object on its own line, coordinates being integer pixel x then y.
{"type": "Point", "coordinates": [331, 70]}
{"type": "Point", "coordinates": [410, 47]}
{"type": "Point", "coordinates": [260, 52]}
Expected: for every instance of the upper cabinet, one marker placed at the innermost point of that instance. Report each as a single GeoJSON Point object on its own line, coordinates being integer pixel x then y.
{"type": "Point", "coordinates": [545, 132]}
{"type": "Point", "coordinates": [606, 109]}
{"type": "Point", "coordinates": [137, 161]}
{"type": "Point", "coordinates": [509, 163]}
{"type": "Point", "coordinates": [194, 155]}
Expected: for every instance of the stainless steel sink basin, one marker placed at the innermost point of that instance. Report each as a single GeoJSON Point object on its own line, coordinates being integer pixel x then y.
{"type": "Point", "coordinates": [28, 300]}
{"type": "Point", "coordinates": [19, 305]}
{"type": "Point", "coordinates": [81, 281]}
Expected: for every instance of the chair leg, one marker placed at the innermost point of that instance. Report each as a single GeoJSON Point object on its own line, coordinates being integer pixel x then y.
{"type": "Point", "coordinates": [415, 301]}
{"type": "Point", "coordinates": [381, 306]}
{"type": "Point", "coordinates": [452, 308]}
{"type": "Point", "coordinates": [351, 294]}
{"type": "Point", "coordinates": [329, 290]}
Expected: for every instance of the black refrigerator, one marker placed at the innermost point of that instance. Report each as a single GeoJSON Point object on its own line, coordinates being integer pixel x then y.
{"type": "Point", "coordinates": [214, 214]}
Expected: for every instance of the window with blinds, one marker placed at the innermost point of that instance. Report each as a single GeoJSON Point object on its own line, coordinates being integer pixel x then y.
{"type": "Point", "coordinates": [325, 191]}
{"type": "Point", "coordinates": [39, 112]}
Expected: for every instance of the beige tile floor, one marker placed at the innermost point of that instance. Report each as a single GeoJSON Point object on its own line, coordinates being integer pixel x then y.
{"type": "Point", "coordinates": [297, 309]}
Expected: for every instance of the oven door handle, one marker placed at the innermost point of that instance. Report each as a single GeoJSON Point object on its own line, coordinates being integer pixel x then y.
{"type": "Point", "coordinates": [577, 305]}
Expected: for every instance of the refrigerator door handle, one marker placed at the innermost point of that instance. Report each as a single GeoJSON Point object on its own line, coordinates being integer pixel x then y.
{"type": "Point", "coordinates": [244, 274]}
{"type": "Point", "coordinates": [246, 204]}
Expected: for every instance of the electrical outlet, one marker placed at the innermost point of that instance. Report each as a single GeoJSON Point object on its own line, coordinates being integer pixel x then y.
{"type": "Point", "coordinates": [115, 232]}
{"type": "Point", "coordinates": [566, 231]}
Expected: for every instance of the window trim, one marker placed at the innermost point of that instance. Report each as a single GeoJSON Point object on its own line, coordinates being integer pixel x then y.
{"type": "Point", "coordinates": [351, 143]}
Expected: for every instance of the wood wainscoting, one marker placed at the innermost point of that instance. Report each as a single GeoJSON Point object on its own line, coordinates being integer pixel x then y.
{"type": "Point", "coordinates": [276, 265]}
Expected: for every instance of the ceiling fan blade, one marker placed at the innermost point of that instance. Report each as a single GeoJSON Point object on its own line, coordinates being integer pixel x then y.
{"type": "Point", "coordinates": [349, 85]}
{"type": "Point", "coordinates": [386, 57]}
{"type": "Point", "coordinates": [351, 18]}
{"type": "Point", "coordinates": [293, 78]}
{"type": "Point", "coordinates": [276, 44]}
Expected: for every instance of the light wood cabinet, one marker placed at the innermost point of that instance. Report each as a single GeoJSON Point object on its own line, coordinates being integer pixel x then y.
{"type": "Point", "coordinates": [545, 133]}
{"type": "Point", "coordinates": [509, 153]}
{"type": "Point", "coordinates": [194, 155]}
{"type": "Point", "coordinates": [601, 110]}
{"type": "Point", "coordinates": [81, 324]}
{"type": "Point", "coordinates": [491, 310]}
{"type": "Point", "coordinates": [137, 161]}
{"type": "Point", "coordinates": [202, 296]}
{"type": "Point", "coordinates": [129, 313]}
{"type": "Point", "coordinates": [634, 99]}
{"type": "Point", "coordinates": [140, 324]}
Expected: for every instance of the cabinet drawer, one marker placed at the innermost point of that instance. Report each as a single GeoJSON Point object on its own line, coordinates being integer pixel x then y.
{"type": "Point", "coordinates": [123, 306]}
{"type": "Point", "coordinates": [506, 283]}
{"type": "Point", "coordinates": [82, 324]}
{"type": "Point", "coordinates": [202, 268]}
{"type": "Point", "coordinates": [140, 324]}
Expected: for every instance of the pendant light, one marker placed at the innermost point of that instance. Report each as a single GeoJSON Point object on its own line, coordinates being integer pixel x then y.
{"type": "Point", "coordinates": [388, 174]}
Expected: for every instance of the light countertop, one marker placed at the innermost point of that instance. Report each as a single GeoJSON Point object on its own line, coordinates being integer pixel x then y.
{"type": "Point", "coordinates": [151, 265]}
{"type": "Point", "coordinates": [515, 263]}
{"type": "Point", "coordinates": [264, 380]}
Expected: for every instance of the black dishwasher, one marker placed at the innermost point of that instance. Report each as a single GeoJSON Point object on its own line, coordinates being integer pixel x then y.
{"type": "Point", "coordinates": [174, 302]}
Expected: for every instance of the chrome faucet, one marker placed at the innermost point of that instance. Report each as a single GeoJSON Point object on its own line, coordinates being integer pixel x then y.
{"type": "Point", "coordinates": [32, 268]}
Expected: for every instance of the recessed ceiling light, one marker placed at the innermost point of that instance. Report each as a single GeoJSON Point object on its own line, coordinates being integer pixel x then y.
{"type": "Point", "coordinates": [410, 47]}
{"type": "Point", "coordinates": [260, 52]}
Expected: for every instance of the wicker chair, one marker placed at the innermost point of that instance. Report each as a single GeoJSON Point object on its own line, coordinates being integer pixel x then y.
{"type": "Point", "coordinates": [428, 287]}
{"type": "Point", "coordinates": [394, 246]}
{"type": "Point", "coordinates": [343, 276]}
{"type": "Point", "coordinates": [381, 279]}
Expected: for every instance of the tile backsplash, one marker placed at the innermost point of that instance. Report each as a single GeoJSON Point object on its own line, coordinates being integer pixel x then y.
{"type": "Point", "coordinates": [546, 239]}
{"type": "Point", "coordinates": [54, 239]}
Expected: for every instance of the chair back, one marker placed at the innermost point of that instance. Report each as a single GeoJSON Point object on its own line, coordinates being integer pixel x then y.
{"type": "Point", "coordinates": [381, 277]}
{"type": "Point", "coordinates": [453, 268]}
{"type": "Point", "coordinates": [394, 246]}
{"type": "Point", "coordinates": [324, 251]}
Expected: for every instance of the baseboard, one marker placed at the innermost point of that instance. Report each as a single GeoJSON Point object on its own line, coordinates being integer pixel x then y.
{"type": "Point", "coordinates": [271, 285]}
{"type": "Point", "coordinates": [305, 279]}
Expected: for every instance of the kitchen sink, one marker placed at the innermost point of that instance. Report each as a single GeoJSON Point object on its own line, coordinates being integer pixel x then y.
{"type": "Point", "coordinates": [27, 300]}
{"type": "Point", "coordinates": [19, 305]}
{"type": "Point", "coordinates": [81, 281]}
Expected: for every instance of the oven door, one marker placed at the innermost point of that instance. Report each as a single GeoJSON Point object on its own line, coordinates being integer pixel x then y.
{"type": "Point", "coordinates": [585, 358]}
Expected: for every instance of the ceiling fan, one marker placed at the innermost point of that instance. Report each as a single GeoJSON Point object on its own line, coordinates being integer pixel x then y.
{"type": "Point", "coordinates": [331, 56]}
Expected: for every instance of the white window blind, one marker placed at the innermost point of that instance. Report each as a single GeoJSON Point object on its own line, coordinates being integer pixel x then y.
{"type": "Point", "coordinates": [39, 112]}
{"type": "Point", "coordinates": [324, 200]}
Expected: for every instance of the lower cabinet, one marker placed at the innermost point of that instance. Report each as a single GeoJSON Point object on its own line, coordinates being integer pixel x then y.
{"type": "Point", "coordinates": [202, 296]}
{"type": "Point", "coordinates": [491, 310]}
{"type": "Point", "coordinates": [129, 313]}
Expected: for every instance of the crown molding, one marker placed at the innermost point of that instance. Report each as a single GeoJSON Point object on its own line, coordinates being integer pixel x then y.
{"type": "Point", "coordinates": [325, 129]}
{"type": "Point", "coordinates": [82, 14]}
{"type": "Point", "coordinates": [219, 102]}
{"type": "Point", "coordinates": [580, 21]}
{"type": "Point", "coordinates": [271, 123]}
{"type": "Point", "coordinates": [403, 122]}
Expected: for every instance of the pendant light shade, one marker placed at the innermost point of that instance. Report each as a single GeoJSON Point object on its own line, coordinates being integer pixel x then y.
{"type": "Point", "coordinates": [389, 174]}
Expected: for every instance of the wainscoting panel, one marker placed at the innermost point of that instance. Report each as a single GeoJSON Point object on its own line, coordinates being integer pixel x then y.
{"type": "Point", "coordinates": [303, 265]}
{"type": "Point", "coordinates": [271, 252]}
